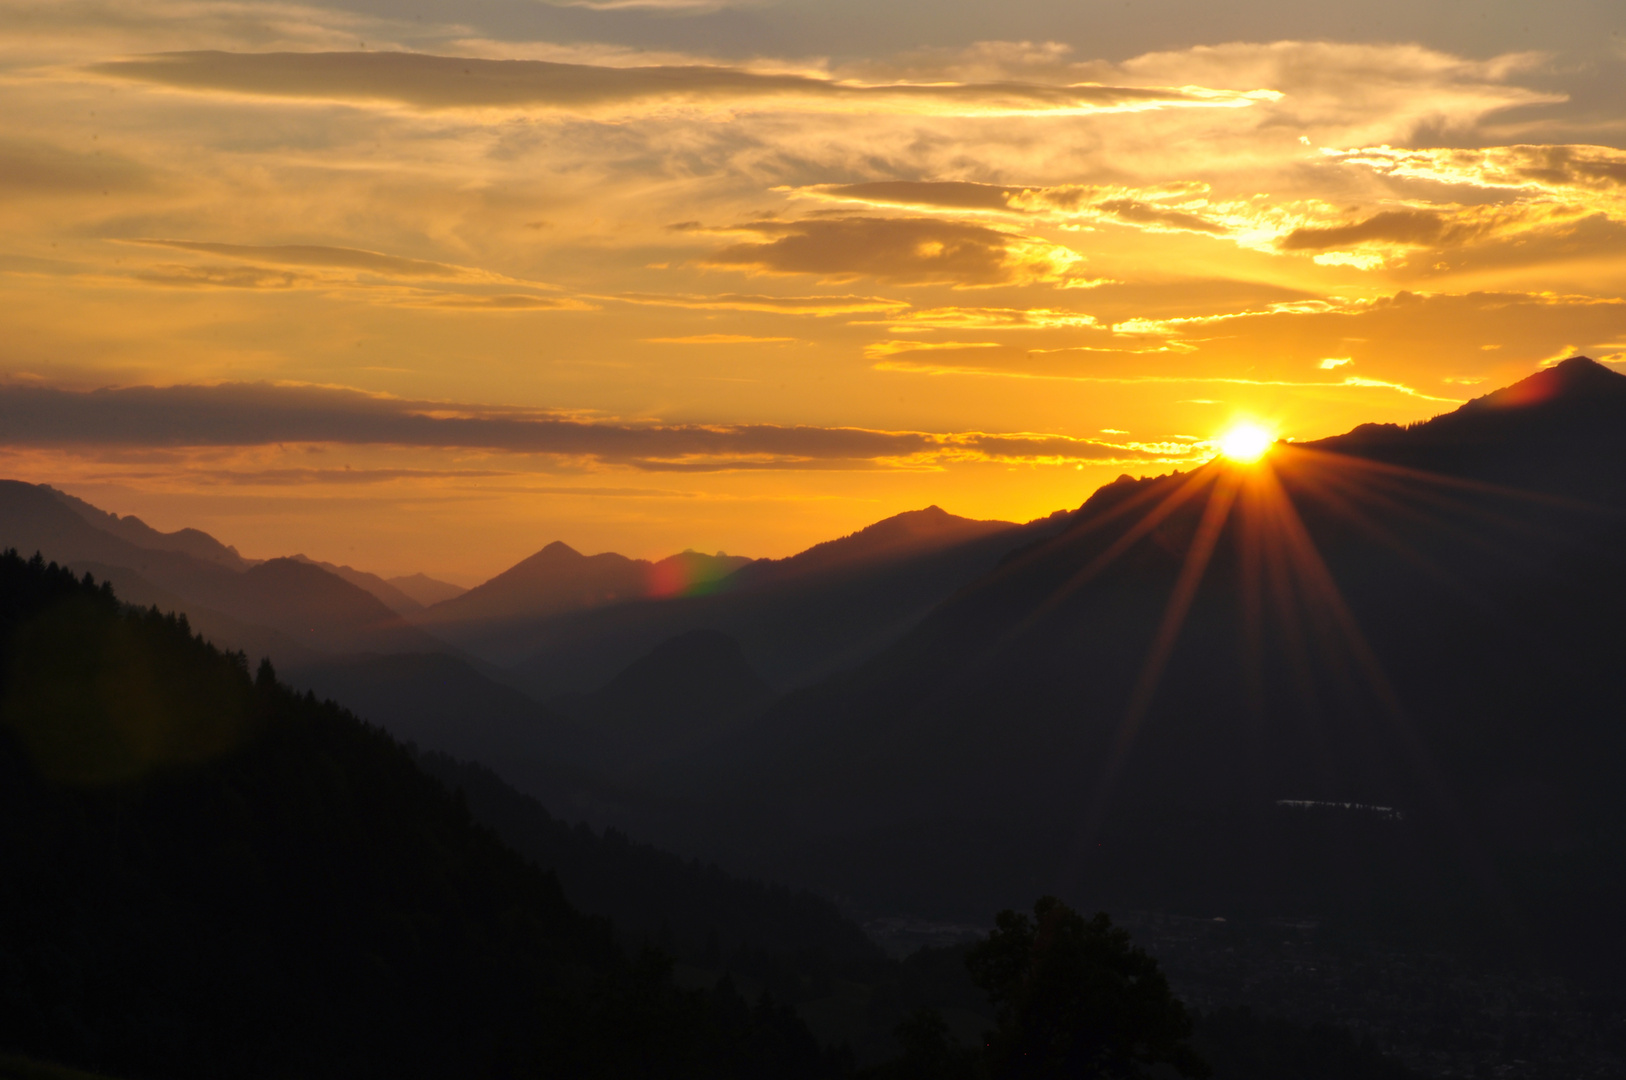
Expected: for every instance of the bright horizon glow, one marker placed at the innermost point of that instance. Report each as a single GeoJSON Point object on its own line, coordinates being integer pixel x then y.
{"type": "Point", "coordinates": [1245, 442]}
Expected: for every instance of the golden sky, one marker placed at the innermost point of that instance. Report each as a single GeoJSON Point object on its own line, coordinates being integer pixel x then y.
{"type": "Point", "coordinates": [426, 285]}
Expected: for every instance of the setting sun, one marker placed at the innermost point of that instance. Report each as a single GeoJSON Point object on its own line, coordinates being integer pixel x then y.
{"type": "Point", "coordinates": [1245, 442]}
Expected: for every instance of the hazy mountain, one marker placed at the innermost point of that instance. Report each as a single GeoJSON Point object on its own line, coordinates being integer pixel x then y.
{"type": "Point", "coordinates": [683, 692]}
{"type": "Point", "coordinates": [911, 533]}
{"type": "Point", "coordinates": [199, 545]}
{"type": "Point", "coordinates": [444, 704]}
{"type": "Point", "coordinates": [387, 594]}
{"type": "Point", "coordinates": [561, 579]}
{"type": "Point", "coordinates": [1394, 694]}
{"type": "Point", "coordinates": [796, 619]}
{"type": "Point", "coordinates": [302, 602]}
{"type": "Point", "coordinates": [425, 590]}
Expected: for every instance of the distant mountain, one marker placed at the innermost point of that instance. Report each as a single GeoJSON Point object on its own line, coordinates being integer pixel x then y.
{"type": "Point", "coordinates": [317, 608]}
{"type": "Point", "coordinates": [298, 601]}
{"type": "Point", "coordinates": [1373, 678]}
{"type": "Point", "coordinates": [425, 590]}
{"type": "Point", "coordinates": [560, 579]}
{"type": "Point", "coordinates": [199, 545]}
{"type": "Point", "coordinates": [387, 594]}
{"type": "Point", "coordinates": [442, 703]}
{"type": "Point", "coordinates": [683, 692]}
{"type": "Point", "coordinates": [796, 619]}
{"type": "Point", "coordinates": [906, 535]}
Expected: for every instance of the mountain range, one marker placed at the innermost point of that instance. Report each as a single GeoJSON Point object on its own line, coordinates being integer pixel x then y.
{"type": "Point", "coordinates": [1372, 678]}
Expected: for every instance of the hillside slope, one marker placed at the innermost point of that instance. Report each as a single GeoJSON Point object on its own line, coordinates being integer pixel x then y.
{"type": "Point", "coordinates": [1376, 677]}
{"type": "Point", "coordinates": [208, 875]}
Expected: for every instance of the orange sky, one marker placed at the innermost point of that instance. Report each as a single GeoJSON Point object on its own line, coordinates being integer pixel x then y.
{"type": "Point", "coordinates": [427, 291]}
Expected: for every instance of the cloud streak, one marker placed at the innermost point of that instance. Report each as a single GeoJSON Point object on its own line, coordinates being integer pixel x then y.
{"type": "Point", "coordinates": [908, 251]}
{"type": "Point", "coordinates": [263, 414]}
{"type": "Point", "coordinates": [423, 81]}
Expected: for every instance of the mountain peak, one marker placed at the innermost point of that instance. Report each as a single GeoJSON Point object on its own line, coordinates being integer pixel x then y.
{"type": "Point", "coordinates": [1577, 377]}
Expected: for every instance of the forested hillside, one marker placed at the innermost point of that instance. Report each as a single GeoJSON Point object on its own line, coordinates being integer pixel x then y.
{"type": "Point", "coordinates": [208, 876]}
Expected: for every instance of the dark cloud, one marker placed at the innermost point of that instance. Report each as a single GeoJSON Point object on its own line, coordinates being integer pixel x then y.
{"type": "Point", "coordinates": [903, 250]}
{"type": "Point", "coordinates": [964, 195]}
{"type": "Point", "coordinates": [1582, 166]}
{"type": "Point", "coordinates": [224, 277]}
{"type": "Point", "coordinates": [1141, 213]}
{"type": "Point", "coordinates": [1418, 227]}
{"type": "Point", "coordinates": [788, 305]}
{"type": "Point", "coordinates": [38, 168]}
{"type": "Point", "coordinates": [259, 414]}
{"type": "Point", "coordinates": [292, 477]}
{"type": "Point", "coordinates": [949, 194]}
{"type": "Point", "coordinates": [440, 82]}
{"type": "Point", "coordinates": [373, 262]}
{"type": "Point", "coordinates": [502, 302]}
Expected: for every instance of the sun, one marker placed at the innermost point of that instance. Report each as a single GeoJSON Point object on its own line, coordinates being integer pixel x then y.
{"type": "Point", "coordinates": [1245, 442]}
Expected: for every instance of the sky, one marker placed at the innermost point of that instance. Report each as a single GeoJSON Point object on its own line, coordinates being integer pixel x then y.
{"type": "Point", "coordinates": [423, 286]}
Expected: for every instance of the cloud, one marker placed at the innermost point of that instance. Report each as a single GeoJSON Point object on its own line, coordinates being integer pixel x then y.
{"type": "Point", "coordinates": [262, 414]}
{"type": "Point", "coordinates": [495, 303]}
{"type": "Point", "coordinates": [1392, 226]}
{"type": "Point", "coordinates": [908, 251]}
{"type": "Point", "coordinates": [372, 262]}
{"type": "Point", "coordinates": [449, 82]}
{"type": "Point", "coordinates": [717, 339]}
{"type": "Point", "coordinates": [346, 477]}
{"type": "Point", "coordinates": [225, 277]}
{"type": "Point", "coordinates": [33, 168]}
{"type": "Point", "coordinates": [1069, 202]}
{"type": "Point", "coordinates": [783, 305]}
{"type": "Point", "coordinates": [665, 7]}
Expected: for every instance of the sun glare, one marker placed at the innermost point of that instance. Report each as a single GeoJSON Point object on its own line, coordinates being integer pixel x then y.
{"type": "Point", "coordinates": [1245, 442]}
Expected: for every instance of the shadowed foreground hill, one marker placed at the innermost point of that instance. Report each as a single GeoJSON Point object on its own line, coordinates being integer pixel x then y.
{"type": "Point", "coordinates": [207, 875]}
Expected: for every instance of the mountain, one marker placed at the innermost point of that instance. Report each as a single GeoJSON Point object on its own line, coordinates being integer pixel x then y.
{"type": "Point", "coordinates": [1374, 679]}
{"type": "Point", "coordinates": [911, 533]}
{"type": "Point", "coordinates": [384, 592]}
{"type": "Point", "coordinates": [682, 693]}
{"type": "Point", "coordinates": [209, 875]}
{"type": "Point", "coordinates": [560, 579]}
{"type": "Point", "coordinates": [279, 599]}
{"type": "Point", "coordinates": [442, 703]}
{"type": "Point", "coordinates": [424, 590]}
{"type": "Point", "coordinates": [796, 619]}
{"type": "Point", "coordinates": [199, 545]}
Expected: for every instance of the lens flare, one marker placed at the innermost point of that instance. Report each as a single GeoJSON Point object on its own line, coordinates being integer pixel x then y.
{"type": "Point", "coordinates": [1245, 442]}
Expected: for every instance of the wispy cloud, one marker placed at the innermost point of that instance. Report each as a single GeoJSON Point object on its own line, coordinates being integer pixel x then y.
{"type": "Point", "coordinates": [262, 414]}
{"type": "Point", "coordinates": [909, 251]}
{"type": "Point", "coordinates": [450, 82]}
{"type": "Point", "coordinates": [317, 255]}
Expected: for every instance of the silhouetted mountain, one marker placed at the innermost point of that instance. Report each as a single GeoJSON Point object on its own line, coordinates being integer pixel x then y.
{"type": "Point", "coordinates": [697, 912]}
{"type": "Point", "coordinates": [444, 704]}
{"type": "Point", "coordinates": [796, 619]}
{"type": "Point", "coordinates": [199, 545]}
{"type": "Point", "coordinates": [560, 578]}
{"type": "Point", "coordinates": [208, 875]}
{"type": "Point", "coordinates": [382, 591]}
{"type": "Point", "coordinates": [425, 590]}
{"type": "Point", "coordinates": [683, 692]}
{"type": "Point", "coordinates": [1375, 678]}
{"type": "Point", "coordinates": [906, 535]}
{"type": "Point", "coordinates": [304, 603]}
